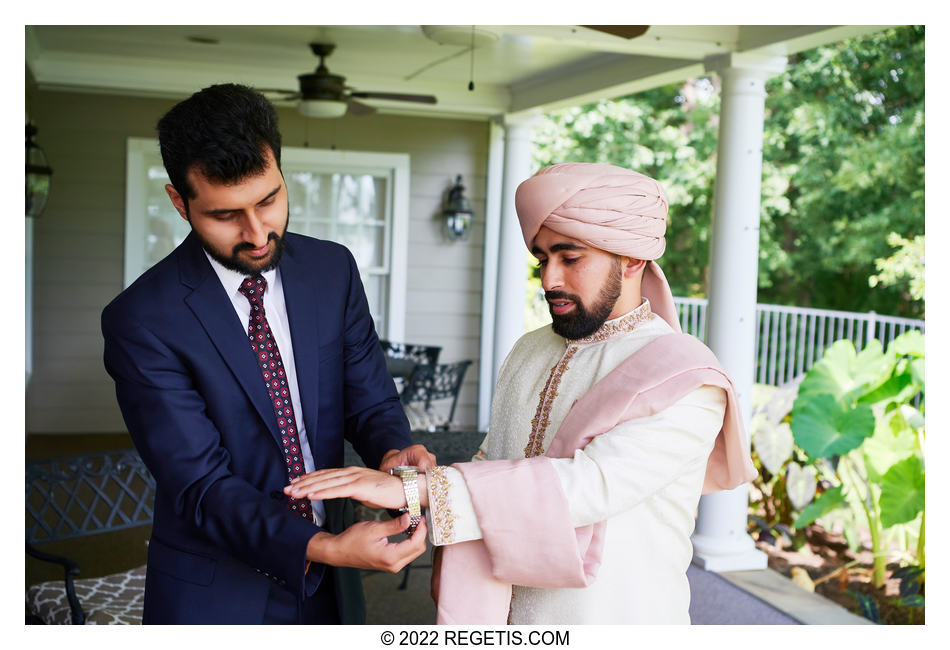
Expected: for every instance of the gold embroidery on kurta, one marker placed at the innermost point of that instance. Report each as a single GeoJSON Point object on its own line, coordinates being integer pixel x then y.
{"type": "Point", "coordinates": [539, 424]}
{"type": "Point", "coordinates": [441, 507]}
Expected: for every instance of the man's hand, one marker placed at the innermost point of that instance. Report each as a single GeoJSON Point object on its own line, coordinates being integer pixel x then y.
{"type": "Point", "coordinates": [415, 455]}
{"type": "Point", "coordinates": [364, 545]}
{"type": "Point", "coordinates": [375, 489]}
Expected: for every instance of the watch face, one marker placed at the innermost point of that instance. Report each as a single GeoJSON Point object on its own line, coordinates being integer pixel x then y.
{"type": "Point", "coordinates": [403, 468]}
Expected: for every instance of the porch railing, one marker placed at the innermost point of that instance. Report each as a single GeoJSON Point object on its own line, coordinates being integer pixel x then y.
{"type": "Point", "coordinates": [789, 340]}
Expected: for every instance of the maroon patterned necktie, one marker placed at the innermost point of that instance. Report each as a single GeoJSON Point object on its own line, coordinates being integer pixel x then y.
{"type": "Point", "coordinates": [272, 369]}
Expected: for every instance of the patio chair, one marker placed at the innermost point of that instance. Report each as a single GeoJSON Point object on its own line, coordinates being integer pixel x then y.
{"type": "Point", "coordinates": [402, 359]}
{"type": "Point", "coordinates": [427, 388]}
{"type": "Point", "coordinates": [419, 354]}
{"type": "Point", "coordinates": [74, 497]}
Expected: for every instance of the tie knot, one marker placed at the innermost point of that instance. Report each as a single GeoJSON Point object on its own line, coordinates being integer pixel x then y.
{"type": "Point", "coordinates": [253, 287]}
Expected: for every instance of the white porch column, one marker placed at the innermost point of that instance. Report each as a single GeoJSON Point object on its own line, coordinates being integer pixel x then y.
{"type": "Point", "coordinates": [493, 194]}
{"type": "Point", "coordinates": [512, 269]}
{"type": "Point", "coordinates": [720, 542]}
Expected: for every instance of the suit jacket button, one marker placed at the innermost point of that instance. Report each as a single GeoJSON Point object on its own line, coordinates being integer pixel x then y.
{"type": "Point", "coordinates": [276, 494]}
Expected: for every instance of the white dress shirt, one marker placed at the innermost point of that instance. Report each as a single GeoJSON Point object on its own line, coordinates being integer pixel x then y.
{"type": "Point", "coordinates": [275, 310]}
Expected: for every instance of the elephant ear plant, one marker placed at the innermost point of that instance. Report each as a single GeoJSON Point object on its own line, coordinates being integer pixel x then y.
{"type": "Point", "coordinates": [856, 421]}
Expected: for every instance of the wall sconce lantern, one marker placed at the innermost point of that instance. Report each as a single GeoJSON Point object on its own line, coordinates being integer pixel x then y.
{"type": "Point", "coordinates": [38, 174]}
{"type": "Point", "coordinates": [457, 214]}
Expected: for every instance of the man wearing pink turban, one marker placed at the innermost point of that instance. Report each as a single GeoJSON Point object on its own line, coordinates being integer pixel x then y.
{"type": "Point", "coordinates": [606, 426]}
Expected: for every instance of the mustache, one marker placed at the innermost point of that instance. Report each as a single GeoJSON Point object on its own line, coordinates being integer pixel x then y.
{"type": "Point", "coordinates": [561, 295]}
{"type": "Point", "coordinates": [247, 246]}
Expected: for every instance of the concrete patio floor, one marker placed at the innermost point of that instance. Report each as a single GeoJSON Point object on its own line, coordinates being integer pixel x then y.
{"type": "Point", "coordinates": [735, 598]}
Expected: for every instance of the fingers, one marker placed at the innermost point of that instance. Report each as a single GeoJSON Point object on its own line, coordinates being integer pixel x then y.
{"type": "Point", "coordinates": [411, 548]}
{"type": "Point", "coordinates": [415, 455]}
{"type": "Point", "coordinates": [322, 479]}
{"type": "Point", "coordinates": [420, 456]}
{"type": "Point", "coordinates": [322, 474]}
{"type": "Point", "coordinates": [427, 460]}
{"type": "Point", "coordinates": [390, 460]}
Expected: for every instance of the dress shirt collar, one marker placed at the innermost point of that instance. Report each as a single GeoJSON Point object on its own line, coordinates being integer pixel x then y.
{"type": "Point", "coordinates": [231, 280]}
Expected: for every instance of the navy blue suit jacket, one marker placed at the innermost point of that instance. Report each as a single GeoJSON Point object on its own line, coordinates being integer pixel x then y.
{"type": "Point", "coordinates": [196, 406]}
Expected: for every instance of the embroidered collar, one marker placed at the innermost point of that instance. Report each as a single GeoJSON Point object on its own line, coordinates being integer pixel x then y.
{"type": "Point", "coordinates": [616, 326]}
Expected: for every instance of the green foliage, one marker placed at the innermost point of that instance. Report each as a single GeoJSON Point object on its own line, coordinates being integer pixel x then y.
{"type": "Point", "coordinates": [904, 266]}
{"type": "Point", "coordinates": [829, 427]}
{"type": "Point", "coordinates": [827, 502]}
{"type": "Point", "coordinates": [843, 162]}
{"type": "Point", "coordinates": [854, 419]}
{"type": "Point", "coordinates": [902, 492]}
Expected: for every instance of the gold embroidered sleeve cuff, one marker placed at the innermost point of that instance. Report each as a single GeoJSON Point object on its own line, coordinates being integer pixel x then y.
{"type": "Point", "coordinates": [450, 517]}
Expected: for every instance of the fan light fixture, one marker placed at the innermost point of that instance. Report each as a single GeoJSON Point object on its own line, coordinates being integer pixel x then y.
{"type": "Point", "coordinates": [457, 213]}
{"type": "Point", "coordinates": [321, 108]}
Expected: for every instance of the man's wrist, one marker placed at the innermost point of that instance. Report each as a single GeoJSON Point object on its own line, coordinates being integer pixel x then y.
{"type": "Point", "coordinates": [321, 548]}
{"type": "Point", "coordinates": [423, 489]}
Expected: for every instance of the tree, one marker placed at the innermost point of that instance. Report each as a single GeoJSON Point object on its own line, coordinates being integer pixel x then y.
{"type": "Point", "coordinates": [843, 164]}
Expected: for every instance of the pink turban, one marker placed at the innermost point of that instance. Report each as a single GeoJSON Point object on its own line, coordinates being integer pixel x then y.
{"type": "Point", "coordinates": [606, 207]}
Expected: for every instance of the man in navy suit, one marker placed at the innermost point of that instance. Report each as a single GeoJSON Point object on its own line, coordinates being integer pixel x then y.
{"type": "Point", "coordinates": [227, 545]}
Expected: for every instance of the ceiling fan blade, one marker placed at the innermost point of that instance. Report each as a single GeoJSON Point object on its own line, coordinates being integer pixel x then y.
{"type": "Point", "coordinates": [623, 31]}
{"type": "Point", "coordinates": [286, 94]}
{"type": "Point", "coordinates": [358, 108]}
{"type": "Point", "coordinates": [399, 97]}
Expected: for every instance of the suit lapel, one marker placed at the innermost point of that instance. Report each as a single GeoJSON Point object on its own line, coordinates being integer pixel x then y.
{"type": "Point", "coordinates": [302, 314]}
{"type": "Point", "coordinates": [212, 306]}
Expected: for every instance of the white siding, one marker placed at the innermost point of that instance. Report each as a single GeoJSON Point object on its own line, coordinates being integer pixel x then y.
{"type": "Point", "coordinates": [79, 241]}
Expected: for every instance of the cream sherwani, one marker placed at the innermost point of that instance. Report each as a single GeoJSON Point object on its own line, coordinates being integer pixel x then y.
{"type": "Point", "coordinates": [644, 477]}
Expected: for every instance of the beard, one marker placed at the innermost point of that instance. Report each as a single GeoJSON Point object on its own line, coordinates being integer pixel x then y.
{"type": "Point", "coordinates": [581, 321]}
{"type": "Point", "coordinates": [234, 262]}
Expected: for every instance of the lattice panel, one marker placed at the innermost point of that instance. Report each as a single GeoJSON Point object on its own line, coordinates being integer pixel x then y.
{"type": "Point", "coordinates": [85, 495]}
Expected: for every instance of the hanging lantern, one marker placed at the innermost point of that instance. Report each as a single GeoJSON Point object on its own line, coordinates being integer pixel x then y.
{"type": "Point", "coordinates": [457, 214]}
{"type": "Point", "coordinates": [38, 174]}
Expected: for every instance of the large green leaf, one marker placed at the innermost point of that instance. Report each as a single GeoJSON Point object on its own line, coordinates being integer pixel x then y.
{"type": "Point", "coordinates": [902, 492]}
{"type": "Point", "coordinates": [831, 374]}
{"type": "Point", "coordinates": [870, 369]}
{"type": "Point", "coordinates": [893, 441]}
{"type": "Point", "coordinates": [773, 444]}
{"type": "Point", "coordinates": [828, 501]}
{"type": "Point", "coordinates": [910, 343]}
{"type": "Point", "coordinates": [899, 388]}
{"type": "Point", "coordinates": [917, 370]}
{"type": "Point", "coordinates": [800, 484]}
{"type": "Point", "coordinates": [825, 427]}
{"type": "Point", "coordinates": [847, 374]}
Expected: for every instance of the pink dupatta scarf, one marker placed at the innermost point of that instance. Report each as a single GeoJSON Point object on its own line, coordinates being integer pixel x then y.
{"type": "Point", "coordinates": [529, 540]}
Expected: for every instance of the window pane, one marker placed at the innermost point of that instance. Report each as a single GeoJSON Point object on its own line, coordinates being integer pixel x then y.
{"type": "Point", "coordinates": [365, 242]}
{"type": "Point", "coordinates": [351, 209]}
{"type": "Point", "coordinates": [375, 287]}
{"type": "Point", "coordinates": [164, 227]}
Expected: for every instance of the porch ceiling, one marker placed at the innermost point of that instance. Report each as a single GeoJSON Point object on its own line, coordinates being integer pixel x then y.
{"type": "Point", "coordinates": [525, 68]}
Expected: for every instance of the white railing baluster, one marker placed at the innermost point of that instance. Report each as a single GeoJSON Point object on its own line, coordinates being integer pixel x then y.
{"type": "Point", "coordinates": [782, 347]}
{"type": "Point", "coordinates": [790, 340]}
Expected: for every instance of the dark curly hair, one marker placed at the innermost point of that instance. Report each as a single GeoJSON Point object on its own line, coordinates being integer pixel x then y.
{"type": "Point", "coordinates": [221, 130]}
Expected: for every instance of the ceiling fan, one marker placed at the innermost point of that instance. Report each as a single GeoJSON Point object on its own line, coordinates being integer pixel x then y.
{"type": "Point", "coordinates": [623, 31]}
{"type": "Point", "coordinates": [323, 94]}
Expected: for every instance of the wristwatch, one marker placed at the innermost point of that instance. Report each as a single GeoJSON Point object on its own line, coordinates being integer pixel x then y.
{"type": "Point", "coordinates": [410, 486]}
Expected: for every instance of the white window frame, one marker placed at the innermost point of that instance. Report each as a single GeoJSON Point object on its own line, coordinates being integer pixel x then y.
{"type": "Point", "coordinates": [393, 165]}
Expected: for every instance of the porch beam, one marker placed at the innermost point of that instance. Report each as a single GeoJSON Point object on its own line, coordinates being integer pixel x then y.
{"type": "Point", "coordinates": [720, 541]}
